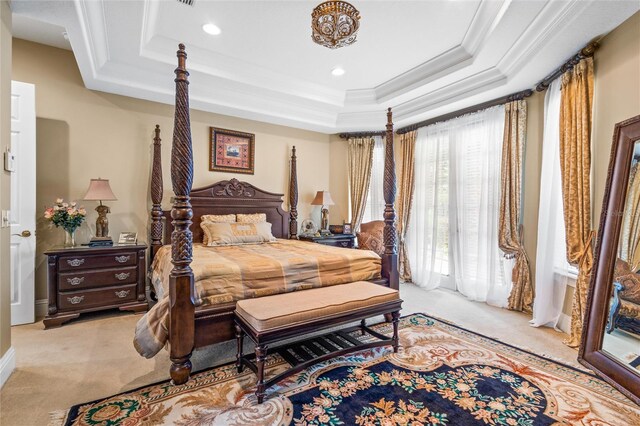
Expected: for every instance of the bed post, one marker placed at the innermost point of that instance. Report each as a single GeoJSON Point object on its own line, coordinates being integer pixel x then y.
{"type": "Point", "coordinates": [390, 256]}
{"type": "Point", "coordinates": [182, 307]}
{"type": "Point", "coordinates": [293, 197]}
{"type": "Point", "coordinates": [156, 196]}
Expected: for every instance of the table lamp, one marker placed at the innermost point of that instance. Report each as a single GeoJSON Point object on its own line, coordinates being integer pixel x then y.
{"type": "Point", "coordinates": [99, 190]}
{"type": "Point", "coordinates": [323, 198]}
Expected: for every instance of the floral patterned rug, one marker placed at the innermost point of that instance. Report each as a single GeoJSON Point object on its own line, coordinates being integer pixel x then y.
{"type": "Point", "coordinates": [443, 375]}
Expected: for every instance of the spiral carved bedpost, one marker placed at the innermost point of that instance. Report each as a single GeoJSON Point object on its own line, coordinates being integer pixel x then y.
{"type": "Point", "coordinates": [156, 195]}
{"type": "Point", "coordinates": [390, 235]}
{"type": "Point", "coordinates": [181, 288]}
{"type": "Point", "coordinates": [293, 198]}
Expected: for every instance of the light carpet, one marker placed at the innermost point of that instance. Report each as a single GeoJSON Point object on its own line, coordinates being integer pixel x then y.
{"type": "Point", "coordinates": [443, 375]}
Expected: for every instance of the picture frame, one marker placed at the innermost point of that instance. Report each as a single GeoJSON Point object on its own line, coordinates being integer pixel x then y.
{"type": "Point", "coordinates": [231, 151]}
{"type": "Point", "coordinates": [128, 238]}
{"type": "Point", "coordinates": [346, 228]}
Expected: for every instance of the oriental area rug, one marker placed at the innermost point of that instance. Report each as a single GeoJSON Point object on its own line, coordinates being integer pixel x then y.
{"type": "Point", "coordinates": [442, 375]}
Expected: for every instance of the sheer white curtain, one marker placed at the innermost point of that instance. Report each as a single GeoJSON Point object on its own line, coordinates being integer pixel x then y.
{"type": "Point", "coordinates": [374, 208]}
{"type": "Point", "coordinates": [480, 268]}
{"type": "Point", "coordinates": [428, 232]}
{"type": "Point", "coordinates": [454, 226]}
{"type": "Point", "coordinates": [552, 268]}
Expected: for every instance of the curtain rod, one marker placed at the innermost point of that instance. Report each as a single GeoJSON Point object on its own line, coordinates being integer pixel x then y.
{"type": "Point", "coordinates": [498, 101]}
{"type": "Point", "coordinates": [348, 135]}
{"type": "Point", "coordinates": [585, 52]}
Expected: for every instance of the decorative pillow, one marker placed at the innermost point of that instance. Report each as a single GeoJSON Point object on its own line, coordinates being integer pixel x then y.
{"type": "Point", "coordinates": [251, 218]}
{"type": "Point", "coordinates": [216, 218]}
{"type": "Point", "coordinates": [221, 234]}
{"type": "Point", "coordinates": [371, 237]}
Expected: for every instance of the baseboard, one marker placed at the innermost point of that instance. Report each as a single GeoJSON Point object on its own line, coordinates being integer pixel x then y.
{"type": "Point", "coordinates": [564, 323]}
{"type": "Point", "coordinates": [7, 365]}
{"type": "Point", "coordinates": [41, 308]}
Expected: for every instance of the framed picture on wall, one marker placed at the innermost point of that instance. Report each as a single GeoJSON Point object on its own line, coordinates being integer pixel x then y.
{"type": "Point", "coordinates": [231, 151]}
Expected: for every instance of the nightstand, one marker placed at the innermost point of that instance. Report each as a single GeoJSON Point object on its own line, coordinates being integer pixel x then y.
{"type": "Point", "coordinates": [337, 240]}
{"type": "Point", "coordinates": [83, 279]}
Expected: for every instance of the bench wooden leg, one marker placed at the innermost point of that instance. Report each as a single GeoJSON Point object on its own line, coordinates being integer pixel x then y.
{"type": "Point", "coordinates": [239, 354]}
{"type": "Point", "coordinates": [261, 356]}
{"type": "Point", "coordinates": [395, 318]}
{"type": "Point", "coordinates": [363, 324]}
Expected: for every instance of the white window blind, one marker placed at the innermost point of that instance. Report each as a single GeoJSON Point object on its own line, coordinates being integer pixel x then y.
{"type": "Point", "coordinates": [374, 208]}
{"type": "Point", "coordinates": [454, 223]}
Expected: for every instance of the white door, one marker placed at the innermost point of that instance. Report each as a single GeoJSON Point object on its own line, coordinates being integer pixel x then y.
{"type": "Point", "coordinates": [22, 216]}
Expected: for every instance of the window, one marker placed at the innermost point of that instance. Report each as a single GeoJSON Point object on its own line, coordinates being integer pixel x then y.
{"type": "Point", "coordinates": [453, 235]}
{"type": "Point", "coordinates": [374, 209]}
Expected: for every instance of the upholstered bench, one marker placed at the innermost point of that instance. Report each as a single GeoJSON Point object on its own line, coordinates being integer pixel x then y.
{"type": "Point", "coordinates": [270, 319]}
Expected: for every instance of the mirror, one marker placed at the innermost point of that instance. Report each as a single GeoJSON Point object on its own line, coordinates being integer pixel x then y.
{"type": "Point", "coordinates": [611, 333]}
{"type": "Point", "coordinates": [622, 333]}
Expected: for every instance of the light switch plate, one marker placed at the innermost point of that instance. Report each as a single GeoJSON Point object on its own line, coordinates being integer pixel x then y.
{"type": "Point", "coordinates": [9, 161]}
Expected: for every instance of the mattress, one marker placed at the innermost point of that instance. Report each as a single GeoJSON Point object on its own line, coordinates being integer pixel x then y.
{"type": "Point", "coordinates": [229, 273]}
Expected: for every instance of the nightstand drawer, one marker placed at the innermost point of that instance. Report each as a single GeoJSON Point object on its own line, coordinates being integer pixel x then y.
{"type": "Point", "coordinates": [100, 297]}
{"type": "Point", "coordinates": [337, 243]}
{"type": "Point", "coordinates": [97, 278]}
{"type": "Point", "coordinates": [79, 262]}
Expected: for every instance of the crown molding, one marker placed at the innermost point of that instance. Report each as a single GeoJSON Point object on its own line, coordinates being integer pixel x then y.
{"type": "Point", "coordinates": [477, 68]}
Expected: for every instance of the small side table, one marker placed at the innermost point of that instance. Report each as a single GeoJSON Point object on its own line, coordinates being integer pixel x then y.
{"type": "Point", "coordinates": [336, 240]}
{"type": "Point", "coordinates": [87, 279]}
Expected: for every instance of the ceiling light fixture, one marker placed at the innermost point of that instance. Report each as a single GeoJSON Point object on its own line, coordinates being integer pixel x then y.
{"type": "Point", "coordinates": [337, 71]}
{"type": "Point", "coordinates": [334, 24]}
{"type": "Point", "coordinates": [211, 29]}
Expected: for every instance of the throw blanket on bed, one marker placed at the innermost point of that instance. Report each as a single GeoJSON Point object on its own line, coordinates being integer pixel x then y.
{"type": "Point", "coordinates": [229, 273]}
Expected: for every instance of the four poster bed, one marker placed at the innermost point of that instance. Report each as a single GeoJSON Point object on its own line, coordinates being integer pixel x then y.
{"type": "Point", "coordinates": [190, 312]}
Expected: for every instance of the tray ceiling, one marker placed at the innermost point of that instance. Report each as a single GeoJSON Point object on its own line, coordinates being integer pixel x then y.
{"type": "Point", "coordinates": [422, 58]}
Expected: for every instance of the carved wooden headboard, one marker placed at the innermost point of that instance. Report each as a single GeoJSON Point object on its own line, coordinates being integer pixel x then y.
{"type": "Point", "coordinates": [224, 197]}
{"type": "Point", "coordinates": [232, 197]}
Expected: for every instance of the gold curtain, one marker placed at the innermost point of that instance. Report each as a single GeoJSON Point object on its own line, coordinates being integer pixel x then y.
{"type": "Point", "coordinates": [509, 237]}
{"type": "Point", "coordinates": [360, 155]}
{"type": "Point", "coordinates": [575, 163]}
{"type": "Point", "coordinates": [630, 236]}
{"type": "Point", "coordinates": [405, 197]}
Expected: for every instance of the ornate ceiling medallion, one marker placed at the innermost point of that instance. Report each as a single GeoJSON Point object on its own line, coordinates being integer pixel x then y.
{"type": "Point", "coordinates": [335, 24]}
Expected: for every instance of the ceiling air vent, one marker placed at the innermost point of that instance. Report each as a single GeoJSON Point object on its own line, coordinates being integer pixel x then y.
{"type": "Point", "coordinates": [187, 2]}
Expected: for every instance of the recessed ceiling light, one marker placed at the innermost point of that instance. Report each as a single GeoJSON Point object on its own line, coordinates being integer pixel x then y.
{"type": "Point", "coordinates": [337, 71]}
{"type": "Point", "coordinates": [211, 29]}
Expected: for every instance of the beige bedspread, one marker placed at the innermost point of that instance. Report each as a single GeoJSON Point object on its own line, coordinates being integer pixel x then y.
{"type": "Point", "coordinates": [229, 273]}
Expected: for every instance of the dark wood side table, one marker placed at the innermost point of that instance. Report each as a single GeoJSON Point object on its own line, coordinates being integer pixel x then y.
{"type": "Point", "coordinates": [337, 240]}
{"type": "Point", "coordinates": [83, 279]}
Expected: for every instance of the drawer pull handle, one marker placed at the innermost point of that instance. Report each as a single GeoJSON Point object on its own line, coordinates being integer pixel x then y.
{"type": "Point", "coordinates": [75, 262]}
{"type": "Point", "coordinates": [123, 259]}
{"type": "Point", "coordinates": [122, 294]}
{"type": "Point", "coordinates": [75, 299]}
{"type": "Point", "coordinates": [123, 275]}
{"type": "Point", "coordinates": [75, 280]}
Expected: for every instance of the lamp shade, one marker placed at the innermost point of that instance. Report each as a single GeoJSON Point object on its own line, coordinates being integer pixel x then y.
{"type": "Point", "coordinates": [323, 198]}
{"type": "Point", "coordinates": [99, 190]}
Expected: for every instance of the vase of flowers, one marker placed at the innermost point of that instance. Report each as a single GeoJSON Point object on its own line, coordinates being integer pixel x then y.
{"type": "Point", "coordinates": [67, 216]}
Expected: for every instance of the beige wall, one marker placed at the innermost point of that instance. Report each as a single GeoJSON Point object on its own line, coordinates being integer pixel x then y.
{"type": "Point", "coordinates": [616, 97]}
{"type": "Point", "coordinates": [339, 180]}
{"type": "Point", "coordinates": [83, 134]}
{"type": "Point", "coordinates": [532, 167]}
{"type": "Point", "coordinates": [5, 140]}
